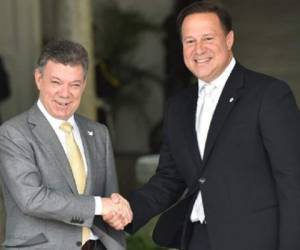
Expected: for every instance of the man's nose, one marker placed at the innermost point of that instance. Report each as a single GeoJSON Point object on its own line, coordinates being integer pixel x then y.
{"type": "Point", "coordinates": [199, 47]}
{"type": "Point", "coordinates": [64, 91]}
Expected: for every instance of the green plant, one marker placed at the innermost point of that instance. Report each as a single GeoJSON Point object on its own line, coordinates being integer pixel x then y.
{"type": "Point", "coordinates": [117, 34]}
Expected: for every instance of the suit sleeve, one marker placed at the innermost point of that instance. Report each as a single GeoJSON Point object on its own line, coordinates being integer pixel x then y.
{"type": "Point", "coordinates": [111, 181]}
{"type": "Point", "coordinates": [111, 186]}
{"type": "Point", "coordinates": [162, 190]}
{"type": "Point", "coordinates": [280, 128]}
{"type": "Point", "coordinates": [23, 181]}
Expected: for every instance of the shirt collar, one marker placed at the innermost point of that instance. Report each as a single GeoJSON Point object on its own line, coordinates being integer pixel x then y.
{"type": "Point", "coordinates": [54, 122]}
{"type": "Point", "coordinates": [221, 80]}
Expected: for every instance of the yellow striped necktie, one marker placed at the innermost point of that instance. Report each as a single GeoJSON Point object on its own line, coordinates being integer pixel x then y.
{"type": "Point", "coordinates": [77, 166]}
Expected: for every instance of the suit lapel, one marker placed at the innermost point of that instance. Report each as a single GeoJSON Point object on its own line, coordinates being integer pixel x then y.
{"type": "Point", "coordinates": [48, 139]}
{"type": "Point", "coordinates": [88, 140]}
{"type": "Point", "coordinates": [189, 118]}
{"type": "Point", "coordinates": [227, 101]}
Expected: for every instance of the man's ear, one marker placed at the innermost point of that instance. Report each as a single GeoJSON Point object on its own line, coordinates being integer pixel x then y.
{"type": "Point", "coordinates": [84, 83]}
{"type": "Point", "coordinates": [38, 75]}
{"type": "Point", "coordinates": [230, 39]}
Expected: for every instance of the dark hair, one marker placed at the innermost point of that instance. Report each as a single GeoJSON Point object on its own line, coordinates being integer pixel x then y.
{"type": "Point", "coordinates": [64, 52]}
{"type": "Point", "coordinates": [206, 7]}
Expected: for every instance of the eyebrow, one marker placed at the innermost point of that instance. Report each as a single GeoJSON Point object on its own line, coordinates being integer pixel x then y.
{"type": "Point", "coordinates": [76, 81]}
{"type": "Point", "coordinates": [55, 77]}
{"type": "Point", "coordinates": [188, 37]}
{"type": "Point", "coordinates": [58, 79]}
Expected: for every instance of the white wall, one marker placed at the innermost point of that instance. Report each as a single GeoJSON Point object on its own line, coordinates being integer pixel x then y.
{"type": "Point", "coordinates": [20, 45]}
{"type": "Point", "coordinates": [267, 37]}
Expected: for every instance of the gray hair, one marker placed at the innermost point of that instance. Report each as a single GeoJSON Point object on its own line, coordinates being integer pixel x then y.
{"type": "Point", "coordinates": [65, 52]}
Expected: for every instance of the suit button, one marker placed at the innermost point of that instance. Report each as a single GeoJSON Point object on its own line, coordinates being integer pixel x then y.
{"type": "Point", "coordinates": [78, 243]}
{"type": "Point", "coordinates": [202, 180]}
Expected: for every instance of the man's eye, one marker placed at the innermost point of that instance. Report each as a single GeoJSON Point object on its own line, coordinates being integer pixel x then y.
{"type": "Point", "coordinates": [55, 82]}
{"type": "Point", "coordinates": [189, 41]}
{"type": "Point", "coordinates": [208, 38]}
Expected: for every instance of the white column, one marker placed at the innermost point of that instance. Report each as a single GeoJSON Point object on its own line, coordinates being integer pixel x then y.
{"type": "Point", "coordinates": [74, 22]}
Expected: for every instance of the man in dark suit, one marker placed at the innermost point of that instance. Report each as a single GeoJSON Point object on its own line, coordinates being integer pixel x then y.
{"type": "Point", "coordinates": [57, 167]}
{"type": "Point", "coordinates": [230, 159]}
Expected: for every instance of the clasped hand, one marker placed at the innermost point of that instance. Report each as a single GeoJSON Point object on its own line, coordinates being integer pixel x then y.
{"type": "Point", "coordinates": [116, 211]}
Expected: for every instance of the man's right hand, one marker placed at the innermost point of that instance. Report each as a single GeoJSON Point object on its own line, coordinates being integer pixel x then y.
{"type": "Point", "coordinates": [116, 211]}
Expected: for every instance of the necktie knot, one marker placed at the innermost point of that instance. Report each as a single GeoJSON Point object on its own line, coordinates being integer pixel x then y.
{"type": "Point", "coordinates": [66, 127]}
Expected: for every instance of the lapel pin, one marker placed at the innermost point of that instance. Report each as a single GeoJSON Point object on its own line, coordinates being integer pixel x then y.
{"type": "Point", "coordinates": [231, 99]}
{"type": "Point", "coordinates": [90, 133]}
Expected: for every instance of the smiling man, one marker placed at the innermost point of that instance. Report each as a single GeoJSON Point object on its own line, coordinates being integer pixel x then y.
{"type": "Point", "coordinates": [206, 45]}
{"type": "Point", "coordinates": [61, 87]}
{"type": "Point", "coordinates": [229, 169]}
{"type": "Point", "coordinates": [57, 167]}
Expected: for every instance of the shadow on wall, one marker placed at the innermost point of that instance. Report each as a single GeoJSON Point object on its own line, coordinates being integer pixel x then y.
{"type": "Point", "coordinates": [2, 218]}
{"type": "Point", "coordinates": [4, 84]}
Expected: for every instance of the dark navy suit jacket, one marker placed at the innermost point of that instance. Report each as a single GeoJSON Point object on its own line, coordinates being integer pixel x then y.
{"type": "Point", "coordinates": [249, 176]}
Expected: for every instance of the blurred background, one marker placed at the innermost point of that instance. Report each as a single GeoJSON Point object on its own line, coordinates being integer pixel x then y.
{"type": "Point", "coordinates": [136, 64]}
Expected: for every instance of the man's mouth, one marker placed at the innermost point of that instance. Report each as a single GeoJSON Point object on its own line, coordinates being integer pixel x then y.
{"type": "Point", "coordinates": [62, 104]}
{"type": "Point", "coordinates": [202, 60]}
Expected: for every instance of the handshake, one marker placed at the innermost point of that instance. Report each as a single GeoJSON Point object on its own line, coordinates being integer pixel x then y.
{"type": "Point", "coordinates": [116, 211]}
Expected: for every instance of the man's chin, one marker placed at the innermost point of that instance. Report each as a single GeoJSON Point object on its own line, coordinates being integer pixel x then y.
{"type": "Point", "coordinates": [62, 116]}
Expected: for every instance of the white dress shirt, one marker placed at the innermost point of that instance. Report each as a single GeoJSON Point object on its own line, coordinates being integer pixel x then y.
{"type": "Point", "coordinates": [208, 97]}
{"type": "Point", "coordinates": [55, 123]}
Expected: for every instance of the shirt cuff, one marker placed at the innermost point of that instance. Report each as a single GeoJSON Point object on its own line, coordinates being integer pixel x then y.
{"type": "Point", "coordinates": [98, 205]}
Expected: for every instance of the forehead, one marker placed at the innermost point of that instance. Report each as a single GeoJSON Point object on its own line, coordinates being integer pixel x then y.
{"type": "Point", "coordinates": [56, 69]}
{"type": "Point", "coordinates": [201, 22]}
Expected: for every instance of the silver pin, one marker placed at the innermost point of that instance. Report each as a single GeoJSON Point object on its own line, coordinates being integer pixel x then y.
{"type": "Point", "coordinates": [90, 133]}
{"type": "Point", "coordinates": [231, 99]}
